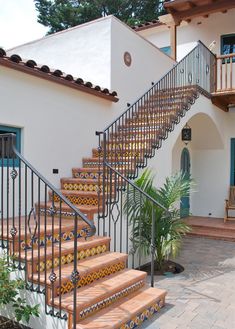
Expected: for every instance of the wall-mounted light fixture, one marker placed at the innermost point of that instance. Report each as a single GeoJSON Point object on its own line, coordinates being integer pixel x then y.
{"type": "Point", "coordinates": [186, 134]}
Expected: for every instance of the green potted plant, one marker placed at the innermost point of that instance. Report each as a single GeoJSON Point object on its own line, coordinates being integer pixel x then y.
{"type": "Point", "coordinates": [169, 229]}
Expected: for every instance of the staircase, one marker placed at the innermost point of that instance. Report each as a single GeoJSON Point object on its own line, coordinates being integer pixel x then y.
{"type": "Point", "coordinates": [91, 279]}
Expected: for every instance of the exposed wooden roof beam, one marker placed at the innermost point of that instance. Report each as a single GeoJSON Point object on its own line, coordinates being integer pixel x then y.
{"type": "Point", "coordinates": [198, 10]}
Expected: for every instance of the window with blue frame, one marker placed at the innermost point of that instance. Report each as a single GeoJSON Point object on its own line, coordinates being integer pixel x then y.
{"type": "Point", "coordinates": [166, 50]}
{"type": "Point", "coordinates": [228, 44]}
{"type": "Point", "coordinates": [6, 156]}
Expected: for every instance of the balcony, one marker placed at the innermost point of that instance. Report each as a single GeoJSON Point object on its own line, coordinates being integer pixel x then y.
{"type": "Point", "coordinates": [224, 96]}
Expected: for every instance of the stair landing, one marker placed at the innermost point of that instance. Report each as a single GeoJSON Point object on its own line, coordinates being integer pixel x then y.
{"type": "Point", "coordinates": [213, 228]}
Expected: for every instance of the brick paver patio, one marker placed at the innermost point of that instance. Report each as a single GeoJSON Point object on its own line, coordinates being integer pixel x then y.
{"type": "Point", "coordinates": [203, 296]}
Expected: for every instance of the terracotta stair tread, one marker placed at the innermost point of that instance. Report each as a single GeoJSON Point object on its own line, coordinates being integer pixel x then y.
{"type": "Point", "coordinates": [79, 193]}
{"type": "Point", "coordinates": [116, 315]}
{"type": "Point", "coordinates": [138, 140]}
{"type": "Point", "coordinates": [66, 248]}
{"type": "Point", "coordinates": [65, 224]}
{"type": "Point", "coordinates": [66, 209]}
{"type": "Point", "coordinates": [74, 180]}
{"type": "Point", "coordinates": [91, 169]}
{"type": "Point", "coordinates": [85, 266]}
{"type": "Point", "coordinates": [215, 235]}
{"type": "Point", "coordinates": [101, 289]}
{"type": "Point", "coordinates": [210, 224]}
{"type": "Point", "coordinates": [150, 132]}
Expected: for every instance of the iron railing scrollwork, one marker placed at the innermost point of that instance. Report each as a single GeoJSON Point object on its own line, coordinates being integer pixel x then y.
{"type": "Point", "coordinates": [127, 143]}
{"type": "Point", "coordinates": [33, 227]}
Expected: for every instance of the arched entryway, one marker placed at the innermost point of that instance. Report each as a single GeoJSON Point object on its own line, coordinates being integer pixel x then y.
{"type": "Point", "coordinates": [185, 168]}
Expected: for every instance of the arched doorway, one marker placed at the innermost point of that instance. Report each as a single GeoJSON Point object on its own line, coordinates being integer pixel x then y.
{"type": "Point", "coordinates": [185, 168]}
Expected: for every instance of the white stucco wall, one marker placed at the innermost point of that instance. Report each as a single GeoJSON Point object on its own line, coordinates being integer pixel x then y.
{"type": "Point", "coordinates": [94, 51]}
{"type": "Point", "coordinates": [212, 130]}
{"type": "Point", "coordinates": [83, 51]}
{"type": "Point", "coordinates": [204, 29]}
{"type": "Point", "coordinates": [148, 64]}
{"type": "Point", "coordinates": [58, 123]}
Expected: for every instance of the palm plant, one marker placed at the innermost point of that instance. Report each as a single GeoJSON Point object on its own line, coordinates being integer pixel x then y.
{"type": "Point", "coordinates": [169, 227]}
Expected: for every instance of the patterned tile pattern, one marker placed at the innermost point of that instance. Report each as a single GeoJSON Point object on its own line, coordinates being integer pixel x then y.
{"type": "Point", "coordinates": [65, 236]}
{"type": "Point", "coordinates": [111, 299]}
{"type": "Point", "coordinates": [81, 187]}
{"type": "Point", "coordinates": [89, 278]}
{"type": "Point", "coordinates": [119, 154]}
{"type": "Point", "coordinates": [80, 200]}
{"type": "Point", "coordinates": [87, 175]}
{"type": "Point", "coordinates": [66, 259]}
{"type": "Point", "coordinates": [145, 315]}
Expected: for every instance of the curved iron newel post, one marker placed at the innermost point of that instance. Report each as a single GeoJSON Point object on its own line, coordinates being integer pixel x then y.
{"type": "Point", "coordinates": [30, 225]}
{"type": "Point", "coordinates": [132, 138]}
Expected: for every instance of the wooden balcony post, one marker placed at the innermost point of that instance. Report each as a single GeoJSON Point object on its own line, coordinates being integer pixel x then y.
{"type": "Point", "coordinates": [173, 38]}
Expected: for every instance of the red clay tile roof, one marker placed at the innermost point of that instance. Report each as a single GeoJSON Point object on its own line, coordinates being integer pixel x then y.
{"type": "Point", "coordinates": [147, 25]}
{"type": "Point", "coordinates": [44, 72]}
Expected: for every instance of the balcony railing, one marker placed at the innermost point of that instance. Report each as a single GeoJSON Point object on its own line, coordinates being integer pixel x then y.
{"type": "Point", "coordinates": [225, 73]}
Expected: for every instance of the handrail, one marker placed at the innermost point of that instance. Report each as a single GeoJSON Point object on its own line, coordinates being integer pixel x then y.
{"type": "Point", "coordinates": [53, 188]}
{"type": "Point", "coordinates": [138, 189]}
{"type": "Point", "coordinates": [225, 56]}
{"type": "Point", "coordinates": [154, 85]}
{"type": "Point", "coordinates": [126, 144]}
{"type": "Point", "coordinates": [30, 225]}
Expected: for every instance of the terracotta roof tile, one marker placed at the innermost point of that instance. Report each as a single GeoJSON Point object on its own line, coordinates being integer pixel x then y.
{"type": "Point", "coordinates": [30, 66]}
{"type": "Point", "coordinates": [147, 25]}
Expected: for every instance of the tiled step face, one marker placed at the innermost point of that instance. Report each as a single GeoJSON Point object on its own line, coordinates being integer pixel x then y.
{"type": "Point", "coordinates": [76, 184]}
{"type": "Point", "coordinates": [80, 198]}
{"type": "Point", "coordinates": [87, 173]}
{"type": "Point", "coordinates": [90, 270]}
{"type": "Point", "coordinates": [118, 153]}
{"type": "Point", "coordinates": [104, 292]}
{"type": "Point", "coordinates": [129, 312]}
{"type": "Point", "coordinates": [38, 262]}
{"type": "Point", "coordinates": [66, 211]}
{"type": "Point", "coordinates": [45, 235]}
{"type": "Point", "coordinates": [94, 162]}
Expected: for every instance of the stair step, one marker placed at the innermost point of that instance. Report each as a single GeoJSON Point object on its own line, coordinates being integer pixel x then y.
{"type": "Point", "coordinates": [153, 119]}
{"type": "Point", "coordinates": [93, 173]}
{"type": "Point", "coordinates": [86, 248]}
{"type": "Point", "coordinates": [125, 162]}
{"type": "Point", "coordinates": [138, 142]}
{"type": "Point", "coordinates": [146, 129]}
{"type": "Point", "coordinates": [146, 124]}
{"type": "Point", "coordinates": [116, 152]}
{"type": "Point", "coordinates": [103, 292]}
{"type": "Point", "coordinates": [219, 235]}
{"type": "Point", "coordinates": [67, 212]}
{"type": "Point", "coordinates": [79, 184]}
{"type": "Point", "coordinates": [88, 173]}
{"type": "Point", "coordinates": [90, 269]}
{"type": "Point", "coordinates": [79, 198]}
{"type": "Point", "coordinates": [129, 312]}
{"type": "Point", "coordinates": [171, 96]}
{"type": "Point", "coordinates": [45, 234]}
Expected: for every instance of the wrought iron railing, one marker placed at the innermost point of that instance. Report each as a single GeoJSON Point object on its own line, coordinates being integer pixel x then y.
{"type": "Point", "coordinates": [33, 228]}
{"type": "Point", "coordinates": [127, 143]}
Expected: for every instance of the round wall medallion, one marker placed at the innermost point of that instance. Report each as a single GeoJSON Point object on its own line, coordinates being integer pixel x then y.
{"type": "Point", "coordinates": [127, 58]}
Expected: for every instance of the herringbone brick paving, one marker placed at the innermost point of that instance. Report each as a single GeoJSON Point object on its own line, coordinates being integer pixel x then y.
{"type": "Point", "coordinates": [203, 296]}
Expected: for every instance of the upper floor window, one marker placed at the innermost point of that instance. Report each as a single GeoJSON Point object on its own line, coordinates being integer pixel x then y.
{"type": "Point", "coordinates": [6, 154]}
{"type": "Point", "coordinates": [227, 44]}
